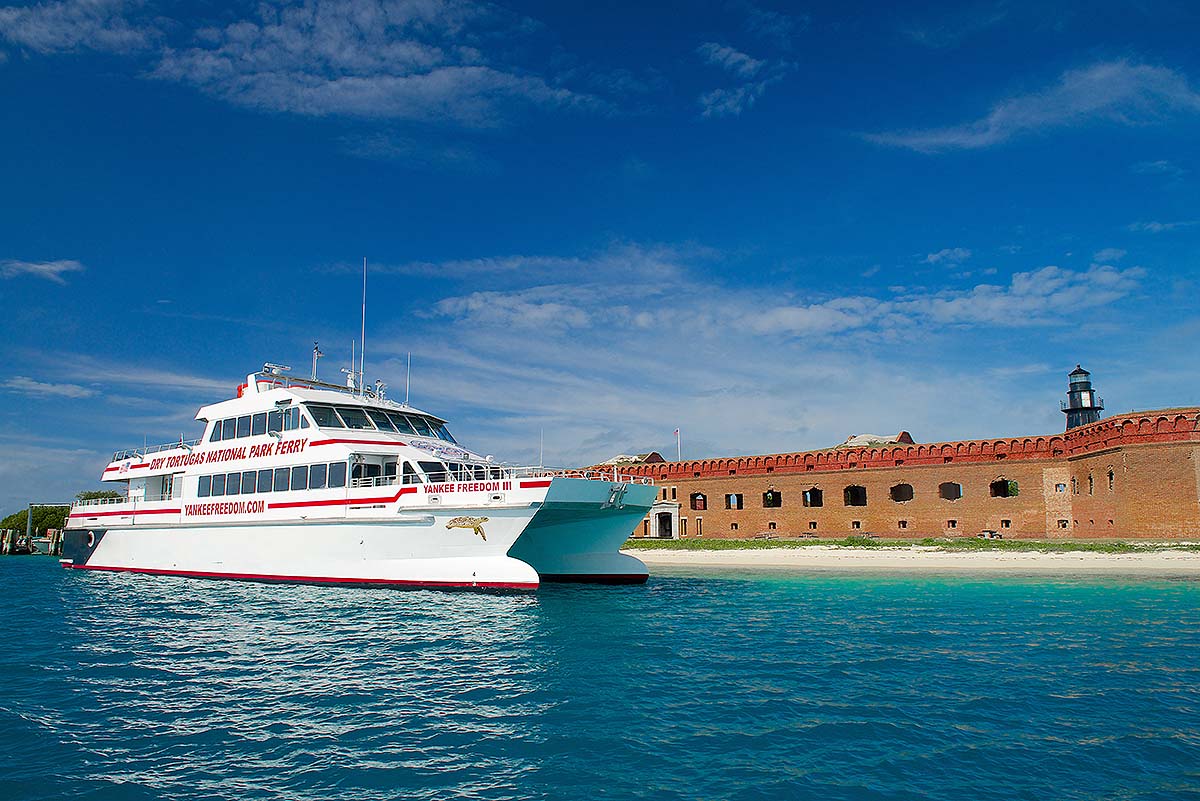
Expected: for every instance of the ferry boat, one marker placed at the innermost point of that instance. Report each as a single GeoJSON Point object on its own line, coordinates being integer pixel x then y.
{"type": "Point", "coordinates": [298, 480]}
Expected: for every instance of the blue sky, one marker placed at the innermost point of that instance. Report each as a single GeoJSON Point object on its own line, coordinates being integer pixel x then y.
{"type": "Point", "coordinates": [770, 225]}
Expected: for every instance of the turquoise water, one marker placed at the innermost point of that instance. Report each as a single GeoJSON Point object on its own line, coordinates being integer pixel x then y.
{"type": "Point", "coordinates": [701, 685]}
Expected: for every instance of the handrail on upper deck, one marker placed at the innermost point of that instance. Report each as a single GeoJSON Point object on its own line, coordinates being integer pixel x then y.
{"type": "Point", "coordinates": [145, 450]}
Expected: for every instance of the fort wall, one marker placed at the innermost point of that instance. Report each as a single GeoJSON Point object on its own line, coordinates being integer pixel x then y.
{"type": "Point", "coordinates": [1130, 476]}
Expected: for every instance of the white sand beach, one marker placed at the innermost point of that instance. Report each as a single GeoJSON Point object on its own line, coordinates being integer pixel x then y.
{"type": "Point", "coordinates": [919, 559]}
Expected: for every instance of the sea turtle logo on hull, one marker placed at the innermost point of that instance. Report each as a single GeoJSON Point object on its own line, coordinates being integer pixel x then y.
{"type": "Point", "coordinates": [473, 523]}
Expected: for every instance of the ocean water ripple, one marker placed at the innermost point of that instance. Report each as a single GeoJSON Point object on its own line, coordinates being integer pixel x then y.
{"type": "Point", "coordinates": [716, 686]}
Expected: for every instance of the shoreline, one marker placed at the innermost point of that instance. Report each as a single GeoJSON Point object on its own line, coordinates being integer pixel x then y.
{"type": "Point", "coordinates": [925, 559]}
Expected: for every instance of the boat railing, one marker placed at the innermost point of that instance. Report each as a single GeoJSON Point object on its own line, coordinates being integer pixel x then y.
{"type": "Point", "coordinates": [493, 472]}
{"type": "Point", "coordinates": [145, 450]}
{"type": "Point", "coordinates": [121, 500]}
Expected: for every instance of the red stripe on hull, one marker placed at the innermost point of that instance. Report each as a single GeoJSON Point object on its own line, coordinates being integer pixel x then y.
{"type": "Point", "coordinates": [595, 578]}
{"type": "Point", "coordinates": [342, 501]}
{"type": "Point", "coordinates": [133, 513]}
{"type": "Point", "coordinates": [534, 484]}
{"type": "Point", "coordinates": [315, 443]}
{"type": "Point", "coordinates": [334, 580]}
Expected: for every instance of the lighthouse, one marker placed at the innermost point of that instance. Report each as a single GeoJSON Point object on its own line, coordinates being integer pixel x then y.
{"type": "Point", "coordinates": [1081, 406]}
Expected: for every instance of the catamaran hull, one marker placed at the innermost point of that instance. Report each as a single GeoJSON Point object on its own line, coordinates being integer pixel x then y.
{"type": "Point", "coordinates": [573, 534]}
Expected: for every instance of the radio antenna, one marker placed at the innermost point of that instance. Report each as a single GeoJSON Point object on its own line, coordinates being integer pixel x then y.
{"type": "Point", "coordinates": [362, 350]}
{"type": "Point", "coordinates": [408, 378]}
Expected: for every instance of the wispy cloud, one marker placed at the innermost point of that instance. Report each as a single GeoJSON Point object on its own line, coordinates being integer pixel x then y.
{"type": "Point", "coordinates": [108, 374]}
{"type": "Point", "coordinates": [366, 58]}
{"type": "Point", "coordinates": [50, 270]}
{"type": "Point", "coordinates": [957, 26]}
{"type": "Point", "coordinates": [1108, 255]}
{"type": "Point", "coordinates": [730, 59]}
{"type": "Point", "coordinates": [773, 26]}
{"type": "Point", "coordinates": [1158, 167]}
{"type": "Point", "coordinates": [104, 25]}
{"type": "Point", "coordinates": [1155, 227]}
{"type": "Point", "coordinates": [948, 256]}
{"type": "Point", "coordinates": [28, 386]}
{"type": "Point", "coordinates": [1120, 92]}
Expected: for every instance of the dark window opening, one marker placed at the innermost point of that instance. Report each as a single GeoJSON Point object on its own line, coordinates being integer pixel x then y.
{"type": "Point", "coordinates": [733, 526]}
{"type": "Point", "coordinates": [249, 480]}
{"type": "Point", "coordinates": [274, 421]}
{"type": "Point", "coordinates": [204, 489]}
{"type": "Point", "coordinates": [674, 496]}
{"type": "Point", "coordinates": [1112, 477]}
{"type": "Point", "coordinates": [812, 525]}
{"type": "Point", "coordinates": [949, 491]}
{"type": "Point", "coordinates": [317, 475]}
{"type": "Point", "coordinates": [1003, 488]}
{"type": "Point", "coordinates": [218, 485]}
{"type": "Point", "coordinates": [233, 484]}
{"type": "Point", "coordinates": [324, 416]}
{"type": "Point", "coordinates": [258, 424]}
{"type": "Point", "coordinates": [282, 476]}
{"type": "Point", "coordinates": [215, 434]}
{"type": "Point", "coordinates": [854, 495]}
{"type": "Point", "coordinates": [772, 499]}
{"type": "Point", "coordinates": [300, 477]}
{"type": "Point", "coordinates": [264, 480]}
{"type": "Point", "coordinates": [337, 474]}
{"type": "Point", "coordinates": [1091, 485]}
{"type": "Point", "coordinates": [229, 428]}
{"type": "Point", "coordinates": [813, 497]}
{"type": "Point", "coordinates": [771, 526]}
{"type": "Point", "coordinates": [733, 501]}
{"type": "Point", "coordinates": [699, 501]}
{"type": "Point", "coordinates": [1005, 524]}
{"type": "Point", "coordinates": [434, 471]}
{"type": "Point", "coordinates": [856, 524]}
{"type": "Point", "coordinates": [1062, 523]}
{"type": "Point", "coordinates": [354, 417]}
{"type": "Point", "coordinates": [243, 426]}
{"type": "Point", "coordinates": [901, 524]}
{"type": "Point", "coordinates": [951, 524]}
{"type": "Point", "coordinates": [901, 493]}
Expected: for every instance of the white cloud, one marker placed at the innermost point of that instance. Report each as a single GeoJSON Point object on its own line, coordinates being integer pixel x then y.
{"type": "Point", "coordinates": [50, 270]}
{"type": "Point", "coordinates": [78, 24]}
{"type": "Point", "coordinates": [1155, 227]}
{"type": "Point", "coordinates": [732, 102]}
{"type": "Point", "coordinates": [1108, 255]}
{"type": "Point", "coordinates": [1162, 167]}
{"type": "Point", "coordinates": [366, 58]}
{"type": "Point", "coordinates": [28, 386]}
{"type": "Point", "coordinates": [729, 59]}
{"type": "Point", "coordinates": [948, 256]}
{"type": "Point", "coordinates": [96, 371]}
{"type": "Point", "coordinates": [1118, 91]}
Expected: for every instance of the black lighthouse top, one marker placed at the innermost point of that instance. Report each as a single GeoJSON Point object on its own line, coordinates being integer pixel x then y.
{"type": "Point", "coordinates": [1081, 406]}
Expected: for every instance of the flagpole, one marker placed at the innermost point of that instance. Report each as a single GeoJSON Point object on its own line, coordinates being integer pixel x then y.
{"type": "Point", "coordinates": [678, 446]}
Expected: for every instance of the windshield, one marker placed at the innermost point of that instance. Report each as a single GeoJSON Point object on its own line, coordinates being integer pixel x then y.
{"type": "Point", "coordinates": [401, 423]}
{"type": "Point", "coordinates": [421, 425]}
{"type": "Point", "coordinates": [324, 416]}
{"type": "Point", "coordinates": [354, 417]}
{"type": "Point", "coordinates": [444, 433]}
{"type": "Point", "coordinates": [380, 419]}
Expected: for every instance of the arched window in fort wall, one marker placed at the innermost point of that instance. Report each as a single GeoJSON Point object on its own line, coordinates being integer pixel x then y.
{"type": "Point", "coordinates": [1003, 488]}
{"type": "Point", "coordinates": [772, 499]}
{"type": "Point", "coordinates": [854, 495]}
{"type": "Point", "coordinates": [699, 501]}
{"type": "Point", "coordinates": [949, 491]}
{"type": "Point", "coordinates": [813, 497]}
{"type": "Point", "coordinates": [901, 493]}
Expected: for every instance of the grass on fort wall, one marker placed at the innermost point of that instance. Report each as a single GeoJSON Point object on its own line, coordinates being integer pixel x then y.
{"type": "Point", "coordinates": [944, 544]}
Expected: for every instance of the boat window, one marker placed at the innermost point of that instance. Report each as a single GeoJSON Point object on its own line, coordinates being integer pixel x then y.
{"type": "Point", "coordinates": [457, 471]}
{"type": "Point", "coordinates": [258, 424]}
{"type": "Point", "coordinates": [218, 485]}
{"type": "Point", "coordinates": [366, 470]}
{"type": "Point", "coordinates": [300, 477]}
{"type": "Point", "coordinates": [233, 484]}
{"type": "Point", "coordinates": [275, 421]}
{"type": "Point", "coordinates": [215, 434]}
{"type": "Point", "coordinates": [243, 426]}
{"type": "Point", "coordinates": [401, 423]}
{"type": "Point", "coordinates": [421, 425]}
{"type": "Point", "coordinates": [204, 489]}
{"type": "Point", "coordinates": [337, 474]}
{"type": "Point", "coordinates": [316, 476]}
{"type": "Point", "coordinates": [249, 479]}
{"type": "Point", "coordinates": [443, 432]}
{"type": "Point", "coordinates": [324, 416]}
{"type": "Point", "coordinates": [354, 417]}
{"type": "Point", "coordinates": [434, 471]}
{"type": "Point", "coordinates": [282, 474]}
{"type": "Point", "coordinates": [411, 476]}
{"type": "Point", "coordinates": [381, 420]}
{"type": "Point", "coordinates": [264, 480]}
{"type": "Point", "coordinates": [389, 469]}
{"type": "Point", "coordinates": [229, 428]}
{"type": "Point", "coordinates": [303, 421]}
{"type": "Point", "coordinates": [480, 472]}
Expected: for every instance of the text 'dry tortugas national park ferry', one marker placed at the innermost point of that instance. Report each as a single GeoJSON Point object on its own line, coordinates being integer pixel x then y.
{"type": "Point", "coordinates": [302, 481]}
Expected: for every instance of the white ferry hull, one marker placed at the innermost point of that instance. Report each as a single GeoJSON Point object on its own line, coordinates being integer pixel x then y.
{"type": "Point", "coordinates": [572, 535]}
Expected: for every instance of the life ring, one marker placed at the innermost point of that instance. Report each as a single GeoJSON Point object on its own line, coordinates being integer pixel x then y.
{"type": "Point", "coordinates": [91, 539]}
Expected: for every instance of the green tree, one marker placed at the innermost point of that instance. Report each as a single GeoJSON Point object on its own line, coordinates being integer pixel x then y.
{"type": "Point", "coordinates": [44, 517]}
{"type": "Point", "coordinates": [97, 495]}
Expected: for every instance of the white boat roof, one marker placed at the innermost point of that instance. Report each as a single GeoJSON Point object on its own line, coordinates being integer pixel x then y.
{"type": "Point", "coordinates": [261, 393]}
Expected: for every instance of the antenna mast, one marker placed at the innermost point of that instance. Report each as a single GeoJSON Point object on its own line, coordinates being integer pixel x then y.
{"type": "Point", "coordinates": [407, 378]}
{"type": "Point", "coordinates": [362, 351]}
